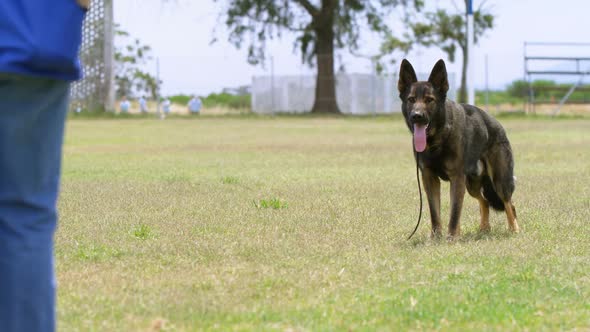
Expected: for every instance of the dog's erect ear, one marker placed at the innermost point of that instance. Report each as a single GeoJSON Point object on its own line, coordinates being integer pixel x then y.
{"type": "Point", "coordinates": [407, 76]}
{"type": "Point", "coordinates": [438, 77]}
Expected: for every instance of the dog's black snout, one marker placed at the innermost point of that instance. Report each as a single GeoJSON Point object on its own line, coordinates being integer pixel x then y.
{"type": "Point", "coordinates": [417, 117]}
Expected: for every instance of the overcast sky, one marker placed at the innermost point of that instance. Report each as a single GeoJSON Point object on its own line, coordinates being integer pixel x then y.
{"type": "Point", "coordinates": [180, 32]}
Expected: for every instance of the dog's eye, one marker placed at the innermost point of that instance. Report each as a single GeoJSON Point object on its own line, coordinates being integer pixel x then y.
{"type": "Point", "coordinates": [428, 100]}
{"type": "Point", "coordinates": [412, 100]}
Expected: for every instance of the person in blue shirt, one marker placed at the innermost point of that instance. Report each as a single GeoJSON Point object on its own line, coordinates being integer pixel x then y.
{"type": "Point", "coordinates": [143, 104]}
{"type": "Point", "coordinates": [194, 105]}
{"type": "Point", "coordinates": [166, 106]}
{"type": "Point", "coordinates": [39, 43]}
{"type": "Point", "coordinates": [124, 105]}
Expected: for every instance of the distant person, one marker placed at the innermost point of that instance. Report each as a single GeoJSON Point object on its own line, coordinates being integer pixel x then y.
{"type": "Point", "coordinates": [124, 105]}
{"type": "Point", "coordinates": [39, 43]}
{"type": "Point", "coordinates": [166, 106]}
{"type": "Point", "coordinates": [143, 104]}
{"type": "Point", "coordinates": [194, 105]}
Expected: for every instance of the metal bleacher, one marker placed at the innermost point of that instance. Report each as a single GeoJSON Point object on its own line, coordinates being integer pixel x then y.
{"type": "Point", "coordinates": [567, 64]}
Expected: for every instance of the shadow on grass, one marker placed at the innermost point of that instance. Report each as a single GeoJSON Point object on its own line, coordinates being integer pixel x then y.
{"type": "Point", "coordinates": [477, 235]}
{"type": "Point", "coordinates": [466, 237]}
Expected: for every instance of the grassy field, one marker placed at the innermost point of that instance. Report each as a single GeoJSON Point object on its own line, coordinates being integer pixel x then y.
{"type": "Point", "coordinates": [297, 224]}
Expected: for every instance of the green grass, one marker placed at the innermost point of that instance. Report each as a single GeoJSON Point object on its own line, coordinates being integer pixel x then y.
{"type": "Point", "coordinates": [157, 221]}
{"type": "Point", "coordinates": [273, 203]}
{"type": "Point", "coordinates": [230, 180]}
{"type": "Point", "coordinates": [142, 232]}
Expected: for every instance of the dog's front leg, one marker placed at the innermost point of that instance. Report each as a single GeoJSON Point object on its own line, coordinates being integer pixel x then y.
{"type": "Point", "coordinates": [432, 188]}
{"type": "Point", "coordinates": [457, 195]}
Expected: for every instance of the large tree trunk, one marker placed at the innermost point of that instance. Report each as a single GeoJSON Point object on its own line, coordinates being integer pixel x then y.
{"type": "Point", "coordinates": [325, 91]}
{"type": "Point", "coordinates": [462, 89]}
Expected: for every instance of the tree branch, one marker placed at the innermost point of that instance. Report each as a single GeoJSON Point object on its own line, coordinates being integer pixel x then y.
{"type": "Point", "coordinates": [309, 7]}
{"type": "Point", "coordinates": [269, 21]}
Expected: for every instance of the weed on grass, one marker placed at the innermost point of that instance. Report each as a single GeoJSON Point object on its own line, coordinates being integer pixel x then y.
{"type": "Point", "coordinates": [95, 253]}
{"type": "Point", "coordinates": [229, 180]}
{"type": "Point", "coordinates": [273, 203]}
{"type": "Point", "coordinates": [143, 232]}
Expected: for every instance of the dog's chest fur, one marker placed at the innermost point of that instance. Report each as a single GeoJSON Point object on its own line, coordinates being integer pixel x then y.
{"type": "Point", "coordinates": [439, 161]}
{"type": "Point", "coordinates": [444, 154]}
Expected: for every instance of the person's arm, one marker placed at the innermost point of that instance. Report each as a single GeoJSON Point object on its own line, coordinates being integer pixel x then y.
{"type": "Point", "coordinates": [84, 3]}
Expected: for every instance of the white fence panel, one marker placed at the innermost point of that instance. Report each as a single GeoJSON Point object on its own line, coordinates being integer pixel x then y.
{"type": "Point", "coordinates": [357, 94]}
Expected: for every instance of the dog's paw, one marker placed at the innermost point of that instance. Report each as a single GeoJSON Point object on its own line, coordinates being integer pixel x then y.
{"type": "Point", "coordinates": [485, 228]}
{"type": "Point", "coordinates": [436, 235]}
{"type": "Point", "coordinates": [452, 238]}
{"type": "Point", "coordinates": [514, 228]}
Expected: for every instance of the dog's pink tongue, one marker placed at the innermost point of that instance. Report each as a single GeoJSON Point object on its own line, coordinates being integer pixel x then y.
{"type": "Point", "coordinates": [419, 137]}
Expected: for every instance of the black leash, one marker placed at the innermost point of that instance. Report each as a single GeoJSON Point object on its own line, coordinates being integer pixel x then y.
{"type": "Point", "coordinates": [420, 191]}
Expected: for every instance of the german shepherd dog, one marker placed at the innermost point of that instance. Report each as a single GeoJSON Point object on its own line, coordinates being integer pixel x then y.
{"type": "Point", "coordinates": [458, 143]}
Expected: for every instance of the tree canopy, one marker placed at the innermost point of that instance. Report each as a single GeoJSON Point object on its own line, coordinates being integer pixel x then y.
{"type": "Point", "coordinates": [320, 27]}
{"type": "Point", "coordinates": [448, 31]}
{"type": "Point", "coordinates": [130, 74]}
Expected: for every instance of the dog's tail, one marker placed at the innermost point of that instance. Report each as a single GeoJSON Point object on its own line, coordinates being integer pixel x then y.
{"type": "Point", "coordinates": [489, 193]}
